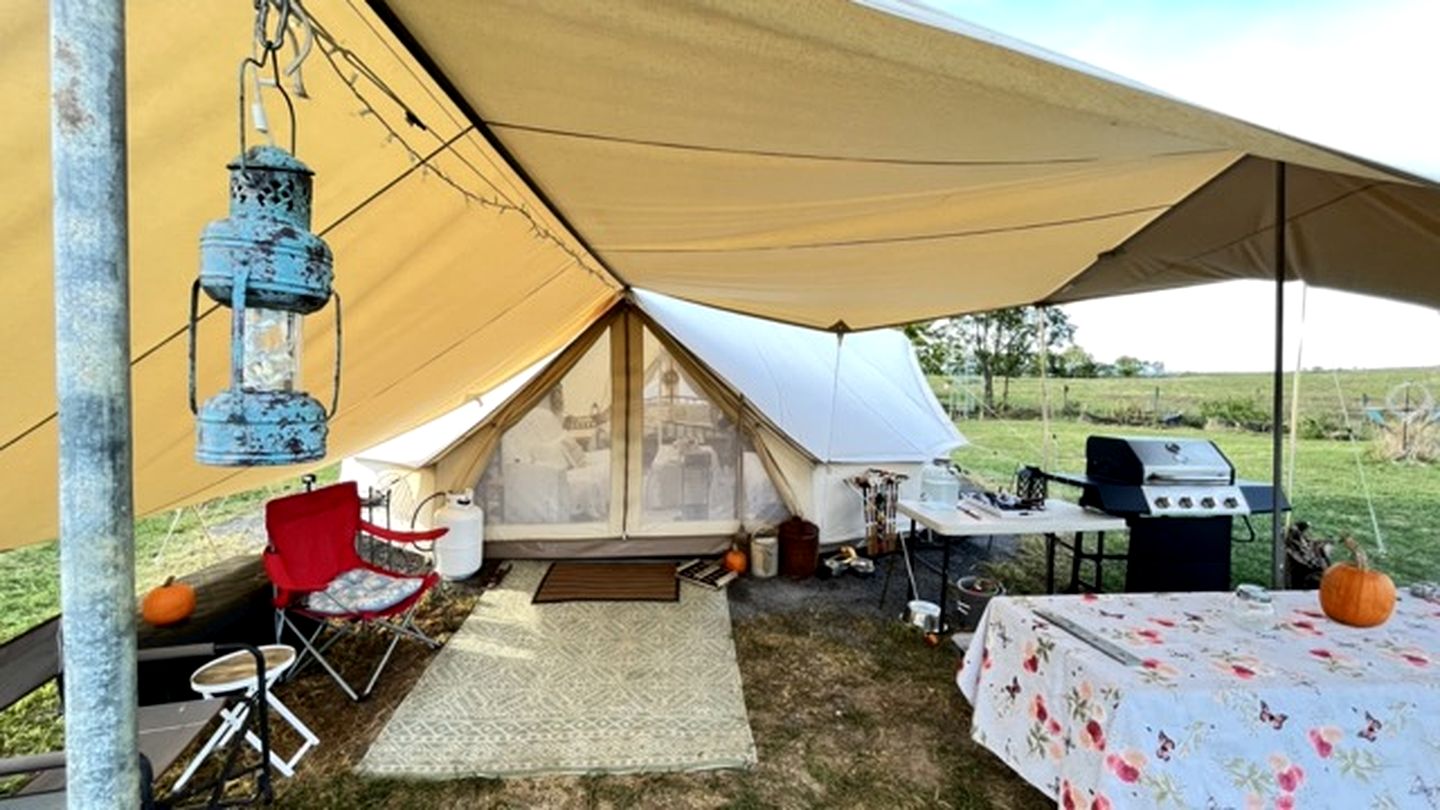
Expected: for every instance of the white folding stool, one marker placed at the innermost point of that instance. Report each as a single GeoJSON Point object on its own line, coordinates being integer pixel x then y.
{"type": "Point", "coordinates": [233, 673]}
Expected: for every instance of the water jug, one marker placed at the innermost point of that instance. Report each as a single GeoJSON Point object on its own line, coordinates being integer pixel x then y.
{"type": "Point", "coordinates": [939, 483]}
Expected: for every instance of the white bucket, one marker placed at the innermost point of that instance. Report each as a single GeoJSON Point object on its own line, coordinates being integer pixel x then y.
{"type": "Point", "coordinates": [765, 556]}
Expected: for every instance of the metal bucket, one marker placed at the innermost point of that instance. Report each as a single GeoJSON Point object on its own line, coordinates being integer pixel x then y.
{"type": "Point", "coordinates": [973, 594]}
{"type": "Point", "coordinates": [924, 615]}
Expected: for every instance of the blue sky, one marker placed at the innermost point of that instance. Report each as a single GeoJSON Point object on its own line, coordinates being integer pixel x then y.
{"type": "Point", "coordinates": [1357, 76]}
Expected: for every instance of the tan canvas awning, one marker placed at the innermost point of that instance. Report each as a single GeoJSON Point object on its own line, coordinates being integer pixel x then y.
{"type": "Point", "coordinates": [832, 164]}
{"type": "Point", "coordinates": [826, 164]}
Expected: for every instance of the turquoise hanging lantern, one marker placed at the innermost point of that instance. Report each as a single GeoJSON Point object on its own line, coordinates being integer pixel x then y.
{"type": "Point", "coordinates": [263, 263]}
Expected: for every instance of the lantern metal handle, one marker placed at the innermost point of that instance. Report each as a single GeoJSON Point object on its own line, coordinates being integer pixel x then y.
{"type": "Point", "coordinates": [194, 307]}
{"type": "Point", "coordinates": [335, 397]}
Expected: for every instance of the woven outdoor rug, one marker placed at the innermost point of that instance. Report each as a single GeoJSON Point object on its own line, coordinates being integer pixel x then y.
{"type": "Point", "coordinates": [608, 582]}
{"type": "Point", "coordinates": [573, 688]}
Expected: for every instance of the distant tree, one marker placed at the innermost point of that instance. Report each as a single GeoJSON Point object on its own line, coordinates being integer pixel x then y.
{"type": "Point", "coordinates": [937, 346]}
{"type": "Point", "coordinates": [1074, 361]}
{"type": "Point", "coordinates": [1003, 343]}
{"type": "Point", "coordinates": [1127, 366]}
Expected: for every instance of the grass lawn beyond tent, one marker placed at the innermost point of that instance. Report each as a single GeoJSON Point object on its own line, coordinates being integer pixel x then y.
{"type": "Point", "coordinates": [1327, 493]}
{"type": "Point", "coordinates": [1192, 395]}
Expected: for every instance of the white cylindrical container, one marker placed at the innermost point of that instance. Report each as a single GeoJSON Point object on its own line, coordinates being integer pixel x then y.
{"type": "Point", "coordinates": [764, 556]}
{"type": "Point", "coordinates": [939, 484]}
{"type": "Point", "coordinates": [458, 553]}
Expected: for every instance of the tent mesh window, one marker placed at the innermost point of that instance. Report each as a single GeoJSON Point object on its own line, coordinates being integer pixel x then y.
{"type": "Point", "coordinates": [690, 449]}
{"type": "Point", "coordinates": [554, 465]}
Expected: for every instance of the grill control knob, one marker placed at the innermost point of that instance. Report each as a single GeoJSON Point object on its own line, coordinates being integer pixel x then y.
{"type": "Point", "coordinates": [1185, 502]}
{"type": "Point", "coordinates": [1162, 502]}
{"type": "Point", "coordinates": [1231, 503]}
{"type": "Point", "coordinates": [1207, 502]}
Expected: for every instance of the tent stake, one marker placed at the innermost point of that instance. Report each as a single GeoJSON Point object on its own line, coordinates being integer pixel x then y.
{"type": "Point", "coordinates": [1277, 540]}
{"type": "Point", "coordinates": [92, 380]}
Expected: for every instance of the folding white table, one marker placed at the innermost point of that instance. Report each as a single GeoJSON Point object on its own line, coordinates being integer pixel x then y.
{"type": "Point", "coordinates": [948, 523]}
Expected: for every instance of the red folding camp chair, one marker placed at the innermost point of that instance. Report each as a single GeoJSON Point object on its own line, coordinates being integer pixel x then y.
{"type": "Point", "coordinates": [318, 574]}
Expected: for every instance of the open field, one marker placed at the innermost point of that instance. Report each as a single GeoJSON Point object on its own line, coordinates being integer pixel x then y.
{"type": "Point", "coordinates": [1186, 393]}
{"type": "Point", "coordinates": [165, 544]}
{"type": "Point", "coordinates": [1328, 491]}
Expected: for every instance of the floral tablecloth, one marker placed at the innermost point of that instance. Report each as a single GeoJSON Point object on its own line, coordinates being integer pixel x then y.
{"type": "Point", "coordinates": [1290, 711]}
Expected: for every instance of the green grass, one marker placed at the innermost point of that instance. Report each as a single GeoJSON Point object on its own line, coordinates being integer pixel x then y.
{"type": "Point", "coordinates": [1327, 490]}
{"type": "Point", "coordinates": [30, 576]}
{"type": "Point", "coordinates": [1187, 392]}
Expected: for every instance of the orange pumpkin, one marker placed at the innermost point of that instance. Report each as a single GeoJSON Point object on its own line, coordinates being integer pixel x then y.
{"type": "Point", "coordinates": [170, 603]}
{"type": "Point", "coordinates": [735, 561]}
{"type": "Point", "coordinates": [1356, 594]}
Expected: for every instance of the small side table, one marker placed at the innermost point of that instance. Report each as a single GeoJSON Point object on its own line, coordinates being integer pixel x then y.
{"type": "Point", "coordinates": [235, 674]}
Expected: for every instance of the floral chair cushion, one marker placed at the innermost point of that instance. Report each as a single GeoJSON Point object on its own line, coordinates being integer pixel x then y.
{"type": "Point", "coordinates": [361, 590]}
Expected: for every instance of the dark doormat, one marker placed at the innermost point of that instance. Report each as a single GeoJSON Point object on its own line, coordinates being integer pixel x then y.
{"type": "Point", "coordinates": [608, 582]}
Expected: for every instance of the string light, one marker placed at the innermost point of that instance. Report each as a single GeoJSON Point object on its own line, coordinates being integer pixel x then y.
{"type": "Point", "coordinates": [338, 57]}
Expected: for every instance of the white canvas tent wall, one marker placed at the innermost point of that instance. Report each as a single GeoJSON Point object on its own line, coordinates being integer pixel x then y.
{"type": "Point", "coordinates": [827, 164]}
{"type": "Point", "coordinates": [811, 409]}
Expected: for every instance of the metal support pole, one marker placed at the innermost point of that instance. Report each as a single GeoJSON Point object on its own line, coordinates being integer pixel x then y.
{"type": "Point", "coordinates": [1277, 412]}
{"type": "Point", "coordinates": [92, 375]}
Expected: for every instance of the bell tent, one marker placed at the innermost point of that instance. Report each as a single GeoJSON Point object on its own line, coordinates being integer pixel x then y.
{"type": "Point", "coordinates": [666, 427]}
{"type": "Point", "coordinates": [504, 172]}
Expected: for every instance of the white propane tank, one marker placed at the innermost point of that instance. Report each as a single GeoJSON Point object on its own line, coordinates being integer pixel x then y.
{"type": "Point", "coordinates": [458, 553]}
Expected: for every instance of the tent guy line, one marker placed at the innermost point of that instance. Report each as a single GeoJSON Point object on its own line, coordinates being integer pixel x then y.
{"type": "Point", "coordinates": [441, 79]}
{"type": "Point", "coordinates": [883, 161]}
{"type": "Point", "coordinates": [923, 237]}
{"type": "Point", "coordinates": [502, 202]}
{"type": "Point", "coordinates": [1290, 219]}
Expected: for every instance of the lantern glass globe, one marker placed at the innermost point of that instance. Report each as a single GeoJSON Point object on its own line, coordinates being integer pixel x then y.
{"type": "Point", "coordinates": [272, 341]}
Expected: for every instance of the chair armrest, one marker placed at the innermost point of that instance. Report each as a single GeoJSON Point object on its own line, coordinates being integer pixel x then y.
{"type": "Point", "coordinates": [401, 537]}
{"type": "Point", "coordinates": [287, 588]}
{"type": "Point", "coordinates": [276, 571]}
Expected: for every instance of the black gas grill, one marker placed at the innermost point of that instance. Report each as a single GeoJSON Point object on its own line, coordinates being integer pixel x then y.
{"type": "Point", "coordinates": [1180, 498]}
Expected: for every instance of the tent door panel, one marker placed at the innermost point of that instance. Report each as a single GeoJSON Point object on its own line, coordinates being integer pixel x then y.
{"type": "Point", "coordinates": [685, 449]}
{"type": "Point", "coordinates": [554, 472]}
